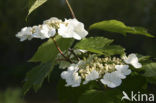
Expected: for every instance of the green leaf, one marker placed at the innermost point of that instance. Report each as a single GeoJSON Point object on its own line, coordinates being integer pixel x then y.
{"type": "Point", "coordinates": [113, 50]}
{"type": "Point", "coordinates": [141, 31]}
{"type": "Point", "coordinates": [34, 4]}
{"type": "Point", "coordinates": [94, 44]}
{"type": "Point", "coordinates": [97, 96]}
{"type": "Point", "coordinates": [36, 76]}
{"type": "Point", "coordinates": [119, 27]}
{"type": "Point", "coordinates": [150, 70]}
{"type": "Point", "coordinates": [48, 51]}
{"type": "Point", "coordinates": [100, 45]}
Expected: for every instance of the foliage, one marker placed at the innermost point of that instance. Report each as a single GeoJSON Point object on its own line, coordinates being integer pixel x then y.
{"type": "Point", "coordinates": [46, 54]}
{"type": "Point", "coordinates": [37, 75]}
{"type": "Point", "coordinates": [100, 45]}
{"type": "Point", "coordinates": [34, 4]}
{"type": "Point", "coordinates": [119, 27]}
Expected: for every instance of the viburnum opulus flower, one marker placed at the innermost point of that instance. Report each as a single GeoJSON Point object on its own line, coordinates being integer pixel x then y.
{"type": "Point", "coordinates": [70, 28]}
{"type": "Point", "coordinates": [110, 71]}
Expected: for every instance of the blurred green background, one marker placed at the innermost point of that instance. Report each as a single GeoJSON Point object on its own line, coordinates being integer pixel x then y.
{"type": "Point", "coordinates": [15, 54]}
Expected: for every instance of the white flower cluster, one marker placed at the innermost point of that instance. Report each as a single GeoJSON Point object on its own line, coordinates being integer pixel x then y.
{"type": "Point", "coordinates": [109, 71]}
{"type": "Point", "coordinates": [70, 28]}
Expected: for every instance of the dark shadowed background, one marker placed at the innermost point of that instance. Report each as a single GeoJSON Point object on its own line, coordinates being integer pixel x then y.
{"type": "Point", "coordinates": [15, 54]}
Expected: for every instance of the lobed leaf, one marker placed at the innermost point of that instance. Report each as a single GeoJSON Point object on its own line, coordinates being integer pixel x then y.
{"type": "Point", "coordinates": [119, 27]}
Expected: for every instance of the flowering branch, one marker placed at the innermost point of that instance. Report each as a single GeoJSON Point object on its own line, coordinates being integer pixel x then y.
{"type": "Point", "coordinates": [70, 8]}
{"type": "Point", "coordinates": [66, 58]}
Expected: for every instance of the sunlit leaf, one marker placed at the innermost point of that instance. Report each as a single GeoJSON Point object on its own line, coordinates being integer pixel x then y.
{"type": "Point", "coordinates": [94, 44]}
{"type": "Point", "coordinates": [113, 50]}
{"type": "Point", "coordinates": [100, 45]}
{"type": "Point", "coordinates": [119, 27]}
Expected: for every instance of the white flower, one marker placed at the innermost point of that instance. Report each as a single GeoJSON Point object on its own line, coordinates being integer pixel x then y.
{"type": "Point", "coordinates": [71, 76]}
{"type": "Point", "coordinates": [123, 71]}
{"type": "Point", "coordinates": [43, 31]}
{"type": "Point", "coordinates": [133, 60]}
{"type": "Point", "coordinates": [112, 80]}
{"type": "Point", "coordinates": [25, 33]}
{"type": "Point", "coordinates": [72, 28]}
{"type": "Point", "coordinates": [92, 76]}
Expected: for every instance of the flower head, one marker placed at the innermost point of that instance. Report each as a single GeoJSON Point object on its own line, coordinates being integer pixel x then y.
{"type": "Point", "coordinates": [72, 28]}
